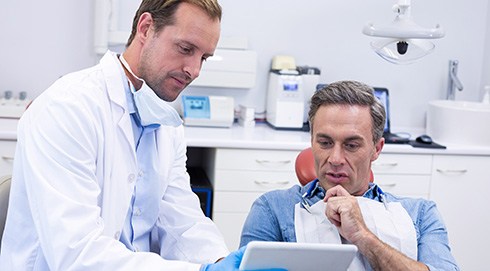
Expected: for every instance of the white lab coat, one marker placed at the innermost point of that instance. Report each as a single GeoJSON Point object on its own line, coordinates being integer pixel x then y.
{"type": "Point", "coordinates": [74, 173]}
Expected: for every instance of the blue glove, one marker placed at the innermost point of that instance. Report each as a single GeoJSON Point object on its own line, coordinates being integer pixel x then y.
{"type": "Point", "coordinates": [231, 263]}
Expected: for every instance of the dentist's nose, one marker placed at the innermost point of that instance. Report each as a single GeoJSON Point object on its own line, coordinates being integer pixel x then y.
{"type": "Point", "coordinates": [193, 67]}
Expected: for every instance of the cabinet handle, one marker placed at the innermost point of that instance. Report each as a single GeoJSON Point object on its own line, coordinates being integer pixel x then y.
{"type": "Point", "coordinates": [386, 164]}
{"type": "Point", "coordinates": [388, 184]}
{"type": "Point", "coordinates": [8, 158]}
{"type": "Point", "coordinates": [269, 183]}
{"type": "Point", "coordinates": [452, 171]}
{"type": "Point", "coordinates": [273, 163]}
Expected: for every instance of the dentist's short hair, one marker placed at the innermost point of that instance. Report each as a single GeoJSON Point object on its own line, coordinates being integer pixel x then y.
{"type": "Point", "coordinates": [350, 93]}
{"type": "Point", "coordinates": [163, 12]}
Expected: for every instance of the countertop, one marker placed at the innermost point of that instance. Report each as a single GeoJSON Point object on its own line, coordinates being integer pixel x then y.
{"type": "Point", "coordinates": [263, 136]}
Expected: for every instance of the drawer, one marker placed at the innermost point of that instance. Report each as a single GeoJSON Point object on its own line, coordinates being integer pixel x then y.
{"type": "Point", "coordinates": [242, 159]}
{"type": "Point", "coordinates": [234, 202]}
{"type": "Point", "coordinates": [402, 164]}
{"type": "Point", "coordinates": [7, 151]}
{"type": "Point", "coordinates": [417, 186]}
{"type": "Point", "coordinates": [259, 181]}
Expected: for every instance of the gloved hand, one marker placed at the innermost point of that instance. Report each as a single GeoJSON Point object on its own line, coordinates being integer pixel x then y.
{"type": "Point", "coordinates": [231, 263]}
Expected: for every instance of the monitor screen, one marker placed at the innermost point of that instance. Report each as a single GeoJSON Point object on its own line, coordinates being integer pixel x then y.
{"type": "Point", "coordinates": [196, 107]}
{"type": "Point", "coordinates": [383, 96]}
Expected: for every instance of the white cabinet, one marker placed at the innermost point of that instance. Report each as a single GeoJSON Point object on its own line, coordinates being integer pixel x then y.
{"type": "Point", "coordinates": [241, 176]}
{"type": "Point", "coordinates": [404, 174]}
{"type": "Point", "coordinates": [7, 150]}
{"type": "Point", "coordinates": [460, 185]}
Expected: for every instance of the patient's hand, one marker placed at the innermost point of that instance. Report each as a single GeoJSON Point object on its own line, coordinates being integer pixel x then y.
{"type": "Point", "coordinates": [344, 212]}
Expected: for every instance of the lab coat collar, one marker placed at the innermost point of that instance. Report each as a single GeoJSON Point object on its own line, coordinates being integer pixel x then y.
{"type": "Point", "coordinates": [116, 83]}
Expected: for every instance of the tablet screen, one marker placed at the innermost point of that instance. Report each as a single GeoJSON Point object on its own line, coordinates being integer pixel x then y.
{"type": "Point", "coordinates": [297, 256]}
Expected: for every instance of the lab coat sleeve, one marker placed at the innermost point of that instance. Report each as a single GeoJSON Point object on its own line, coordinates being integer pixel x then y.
{"type": "Point", "coordinates": [183, 230]}
{"type": "Point", "coordinates": [59, 144]}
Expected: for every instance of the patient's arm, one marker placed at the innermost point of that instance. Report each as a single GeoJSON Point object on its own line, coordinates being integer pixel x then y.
{"type": "Point", "coordinates": [344, 212]}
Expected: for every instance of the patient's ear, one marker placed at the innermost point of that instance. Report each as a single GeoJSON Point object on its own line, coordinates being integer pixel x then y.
{"type": "Point", "coordinates": [377, 149]}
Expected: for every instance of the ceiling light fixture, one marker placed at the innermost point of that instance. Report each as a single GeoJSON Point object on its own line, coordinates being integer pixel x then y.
{"type": "Point", "coordinates": [404, 41]}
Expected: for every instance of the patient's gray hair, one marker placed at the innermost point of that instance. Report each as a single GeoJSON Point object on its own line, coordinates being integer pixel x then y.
{"type": "Point", "coordinates": [350, 93]}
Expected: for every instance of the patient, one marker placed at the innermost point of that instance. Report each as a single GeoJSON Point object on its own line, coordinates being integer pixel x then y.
{"type": "Point", "coordinates": [342, 205]}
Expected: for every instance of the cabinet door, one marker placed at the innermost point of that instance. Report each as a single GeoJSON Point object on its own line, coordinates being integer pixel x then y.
{"type": "Point", "coordinates": [405, 175]}
{"type": "Point", "coordinates": [415, 186]}
{"type": "Point", "coordinates": [230, 225]}
{"type": "Point", "coordinates": [460, 187]}
{"type": "Point", "coordinates": [7, 150]}
{"type": "Point", "coordinates": [250, 159]}
{"type": "Point", "coordinates": [240, 176]}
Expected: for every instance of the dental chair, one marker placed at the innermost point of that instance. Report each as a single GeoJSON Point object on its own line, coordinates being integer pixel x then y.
{"type": "Point", "coordinates": [305, 167]}
{"type": "Point", "coordinates": [4, 201]}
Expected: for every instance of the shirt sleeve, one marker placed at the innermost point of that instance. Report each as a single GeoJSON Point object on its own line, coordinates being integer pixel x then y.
{"type": "Point", "coordinates": [433, 243]}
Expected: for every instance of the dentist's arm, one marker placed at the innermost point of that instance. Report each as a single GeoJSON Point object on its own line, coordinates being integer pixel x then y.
{"type": "Point", "coordinates": [344, 212]}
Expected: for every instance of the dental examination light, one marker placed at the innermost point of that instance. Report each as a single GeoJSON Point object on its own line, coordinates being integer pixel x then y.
{"type": "Point", "coordinates": [404, 41]}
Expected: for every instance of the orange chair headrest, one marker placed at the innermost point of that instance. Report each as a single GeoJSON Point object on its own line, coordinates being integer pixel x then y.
{"type": "Point", "coordinates": [305, 166]}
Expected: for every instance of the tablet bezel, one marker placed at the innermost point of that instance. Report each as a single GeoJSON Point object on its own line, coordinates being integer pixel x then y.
{"type": "Point", "coordinates": [297, 256]}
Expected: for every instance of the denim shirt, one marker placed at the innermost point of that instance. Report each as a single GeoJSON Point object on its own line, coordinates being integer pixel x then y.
{"type": "Point", "coordinates": [271, 218]}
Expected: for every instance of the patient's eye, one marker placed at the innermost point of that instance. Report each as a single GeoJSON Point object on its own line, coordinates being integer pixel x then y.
{"type": "Point", "coordinates": [325, 143]}
{"type": "Point", "coordinates": [352, 146]}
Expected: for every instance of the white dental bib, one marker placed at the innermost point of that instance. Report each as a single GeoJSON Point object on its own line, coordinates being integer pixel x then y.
{"type": "Point", "coordinates": [390, 223]}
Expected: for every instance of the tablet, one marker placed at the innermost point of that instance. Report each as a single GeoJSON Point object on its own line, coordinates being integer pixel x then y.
{"type": "Point", "coordinates": [297, 256]}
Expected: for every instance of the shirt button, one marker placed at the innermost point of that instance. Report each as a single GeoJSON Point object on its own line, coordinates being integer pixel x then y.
{"type": "Point", "coordinates": [140, 174]}
{"type": "Point", "coordinates": [137, 211]}
{"type": "Point", "coordinates": [131, 178]}
{"type": "Point", "coordinates": [117, 235]}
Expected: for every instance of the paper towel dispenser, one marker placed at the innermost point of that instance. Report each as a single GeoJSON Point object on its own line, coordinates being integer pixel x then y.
{"type": "Point", "coordinates": [228, 68]}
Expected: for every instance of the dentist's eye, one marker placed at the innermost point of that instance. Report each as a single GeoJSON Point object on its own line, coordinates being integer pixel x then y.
{"type": "Point", "coordinates": [185, 50]}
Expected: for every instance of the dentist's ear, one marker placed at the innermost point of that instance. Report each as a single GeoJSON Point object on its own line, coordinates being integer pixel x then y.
{"type": "Point", "coordinates": [144, 26]}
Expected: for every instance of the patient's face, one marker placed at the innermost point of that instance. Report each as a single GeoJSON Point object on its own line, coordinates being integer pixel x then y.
{"type": "Point", "coordinates": [343, 147]}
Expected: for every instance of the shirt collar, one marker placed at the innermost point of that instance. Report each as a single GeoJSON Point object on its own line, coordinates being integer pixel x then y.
{"type": "Point", "coordinates": [127, 91]}
{"type": "Point", "coordinates": [318, 193]}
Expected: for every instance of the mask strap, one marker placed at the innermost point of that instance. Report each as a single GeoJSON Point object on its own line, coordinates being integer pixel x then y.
{"type": "Point", "coordinates": [126, 65]}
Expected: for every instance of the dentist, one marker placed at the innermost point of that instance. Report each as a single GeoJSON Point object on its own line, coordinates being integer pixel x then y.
{"type": "Point", "coordinates": [100, 179]}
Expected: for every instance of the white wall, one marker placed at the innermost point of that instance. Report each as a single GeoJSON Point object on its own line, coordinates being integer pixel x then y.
{"type": "Point", "coordinates": [42, 40]}
{"type": "Point", "coordinates": [485, 80]}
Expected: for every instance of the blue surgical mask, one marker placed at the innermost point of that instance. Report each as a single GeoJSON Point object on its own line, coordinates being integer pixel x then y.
{"type": "Point", "coordinates": [151, 109]}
